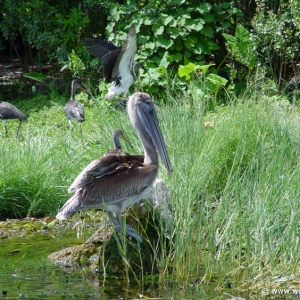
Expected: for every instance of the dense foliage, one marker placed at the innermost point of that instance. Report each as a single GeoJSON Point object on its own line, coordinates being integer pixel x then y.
{"type": "Point", "coordinates": [234, 37]}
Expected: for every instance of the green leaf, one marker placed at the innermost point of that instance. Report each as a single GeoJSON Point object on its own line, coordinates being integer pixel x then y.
{"type": "Point", "coordinates": [203, 68]}
{"type": "Point", "coordinates": [113, 7]}
{"type": "Point", "coordinates": [212, 46]}
{"type": "Point", "coordinates": [242, 34]}
{"type": "Point", "coordinates": [150, 45]}
{"type": "Point", "coordinates": [178, 1]}
{"type": "Point", "coordinates": [178, 46]}
{"type": "Point", "coordinates": [36, 76]}
{"type": "Point", "coordinates": [187, 53]}
{"type": "Point", "coordinates": [232, 40]}
{"type": "Point", "coordinates": [147, 21]}
{"type": "Point", "coordinates": [180, 21]}
{"type": "Point", "coordinates": [167, 20]}
{"type": "Point", "coordinates": [190, 42]}
{"type": "Point", "coordinates": [157, 29]}
{"type": "Point", "coordinates": [186, 61]}
{"type": "Point", "coordinates": [102, 86]}
{"type": "Point", "coordinates": [194, 25]}
{"type": "Point", "coordinates": [161, 42]}
{"type": "Point", "coordinates": [110, 27]}
{"type": "Point", "coordinates": [217, 80]}
{"type": "Point", "coordinates": [173, 32]}
{"type": "Point", "coordinates": [208, 31]}
{"type": "Point", "coordinates": [177, 57]}
{"type": "Point", "coordinates": [199, 48]}
{"type": "Point", "coordinates": [186, 70]}
{"type": "Point", "coordinates": [209, 18]}
{"type": "Point", "coordinates": [185, 16]}
{"type": "Point", "coordinates": [225, 24]}
{"type": "Point", "coordinates": [225, 5]}
{"type": "Point", "coordinates": [154, 74]}
{"type": "Point", "coordinates": [166, 60]}
{"type": "Point", "coordinates": [236, 11]}
{"type": "Point", "coordinates": [116, 15]}
{"type": "Point", "coordinates": [204, 7]}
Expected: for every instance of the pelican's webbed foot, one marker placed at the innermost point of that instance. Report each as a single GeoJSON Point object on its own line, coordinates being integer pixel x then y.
{"type": "Point", "coordinates": [131, 232]}
{"type": "Point", "coordinates": [118, 224]}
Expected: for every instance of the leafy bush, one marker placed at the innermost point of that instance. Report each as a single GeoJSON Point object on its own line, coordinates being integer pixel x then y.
{"type": "Point", "coordinates": [171, 33]}
{"type": "Point", "coordinates": [53, 29]}
{"type": "Point", "coordinates": [276, 33]}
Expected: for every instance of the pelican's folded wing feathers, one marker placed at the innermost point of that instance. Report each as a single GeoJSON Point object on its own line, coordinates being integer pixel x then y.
{"type": "Point", "coordinates": [103, 166]}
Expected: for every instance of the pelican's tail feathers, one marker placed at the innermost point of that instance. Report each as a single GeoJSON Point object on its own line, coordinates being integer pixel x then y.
{"type": "Point", "coordinates": [70, 208]}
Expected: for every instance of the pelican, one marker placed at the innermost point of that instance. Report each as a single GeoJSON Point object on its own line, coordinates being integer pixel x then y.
{"type": "Point", "coordinates": [115, 182]}
{"type": "Point", "coordinates": [116, 136]}
{"type": "Point", "coordinates": [73, 109]}
{"type": "Point", "coordinates": [9, 112]}
{"type": "Point", "coordinates": [117, 62]}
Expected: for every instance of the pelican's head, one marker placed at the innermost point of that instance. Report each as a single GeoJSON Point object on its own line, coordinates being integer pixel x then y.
{"type": "Point", "coordinates": [143, 117]}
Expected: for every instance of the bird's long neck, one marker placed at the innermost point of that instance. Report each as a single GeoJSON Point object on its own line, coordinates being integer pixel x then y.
{"type": "Point", "coordinates": [117, 143]}
{"type": "Point", "coordinates": [73, 90]}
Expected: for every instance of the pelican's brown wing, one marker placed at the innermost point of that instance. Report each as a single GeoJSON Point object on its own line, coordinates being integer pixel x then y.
{"type": "Point", "coordinates": [106, 165]}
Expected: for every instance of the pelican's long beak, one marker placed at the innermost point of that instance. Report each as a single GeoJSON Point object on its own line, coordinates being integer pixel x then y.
{"type": "Point", "coordinates": [125, 139]}
{"type": "Point", "coordinates": [150, 123]}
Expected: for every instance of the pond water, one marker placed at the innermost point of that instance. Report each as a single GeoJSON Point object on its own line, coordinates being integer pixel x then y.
{"type": "Point", "coordinates": [27, 273]}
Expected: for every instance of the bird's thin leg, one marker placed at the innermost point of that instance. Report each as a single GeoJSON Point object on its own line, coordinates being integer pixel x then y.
{"type": "Point", "coordinates": [118, 223]}
{"type": "Point", "coordinates": [20, 122]}
{"type": "Point", "coordinates": [81, 132]}
{"type": "Point", "coordinates": [70, 130]}
{"type": "Point", "coordinates": [71, 127]}
{"type": "Point", "coordinates": [6, 133]}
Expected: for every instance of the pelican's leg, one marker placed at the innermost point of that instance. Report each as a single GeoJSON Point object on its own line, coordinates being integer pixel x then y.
{"type": "Point", "coordinates": [114, 220]}
{"type": "Point", "coordinates": [20, 122]}
{"type": "Point", "coordinates": [118, 223]}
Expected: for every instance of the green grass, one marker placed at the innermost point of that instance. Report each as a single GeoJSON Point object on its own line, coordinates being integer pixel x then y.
{"type": "Point", "coordinates": [38, 168]}
{"type": "Point", "coordinates": [235, 186]}
{"type": "Point", "coordinates": [236, 193]}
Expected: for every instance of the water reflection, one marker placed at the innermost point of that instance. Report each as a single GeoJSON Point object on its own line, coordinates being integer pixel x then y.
{"type": "Point", "coordinates": [26, 272]}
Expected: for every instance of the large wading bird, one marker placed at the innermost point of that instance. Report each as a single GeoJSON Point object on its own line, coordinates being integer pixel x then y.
{"type": "Point", "coordinates": [116, 136]}
{"type": "Point", "coordinates": [117, 62]}
{"type": "Point", "coordinates": [115, 182]}
{"type": "Point", "coordinates": [74, 109]}
{"type": "Point", "coordinates": [9, 112]}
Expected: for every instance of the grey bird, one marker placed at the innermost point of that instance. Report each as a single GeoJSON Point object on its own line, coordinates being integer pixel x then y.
{"type": "Point", "coordinates": [117, 62]}
{"type": "Point", "coordinates": [116, 136]}
{"type": "Point", "coordinates": [9, 112]}
{"type": "Point", "coordinates": [114, 182]}
{"type": "Point", "coordinates": [74, 109]}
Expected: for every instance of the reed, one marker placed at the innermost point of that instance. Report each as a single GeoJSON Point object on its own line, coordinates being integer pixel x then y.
{"type": "Point", "coordinates": [236, 192]}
